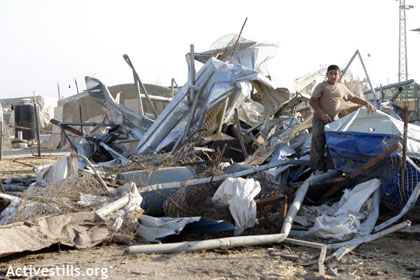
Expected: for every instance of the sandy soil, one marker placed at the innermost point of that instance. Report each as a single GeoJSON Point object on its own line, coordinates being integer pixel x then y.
{"type": "Point", "coordinates": [395, 256]}
{"type": "Point", "coordinates": [392, 257]}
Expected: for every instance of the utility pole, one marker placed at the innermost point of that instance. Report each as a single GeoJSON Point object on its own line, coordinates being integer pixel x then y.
{"type": "Point", "coordinates": [402, 53]}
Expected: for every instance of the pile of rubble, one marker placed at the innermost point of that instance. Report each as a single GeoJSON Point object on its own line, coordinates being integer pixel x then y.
{"type": "Point", "coordinates": [229, 153]}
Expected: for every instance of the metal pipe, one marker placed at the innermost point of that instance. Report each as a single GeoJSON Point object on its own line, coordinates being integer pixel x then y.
{"type": "Point", "coordinates": [137, 87]}
{"type": "Point", "coordinates": [68, 138]}
{"type": "Point", "coordinates": [113, 206]}
{"type": "Point", "coordinates": [241, 139]}
{"type": "Point", "coordinates": [375, 95]}
{"type": "Point", "coordinates": [80, 106]}
{"type": "Point", "coordinates": [300, 195]}
{"type": "Point", "coordinates": [239, 36]}
{"type": "Point", "coordinates": [322, 255]}
{"type": "Point", "coordinates": [222, 118]}
{"type": "Point", "coordinates": [136, 75]}
{"type": "Point", "coordinates": [410, 203]}
{"type": "Point", "coordinates": [14, 188]}
{"type": "Point", "coordinates": [390, 86]}
{"type": "Point", "coordinates": [357, 53]}
{"type": "Point", "coordinates": [404, 153]}
{"type": "Point", "coordinates": [86, 124]}
{"type": "Point", "coordinates": [9, 197]}
{"type": "Point", "coordinates": [101, 181]}
{"type": "Point", "coordinates": [193, 93]}
{"type": "Point", "coordinates": [173, 82]}
{"type": "Point", "coordinates": [348, 65]}
{"type": "Point", "coordinates": [112, 151]}
{"type": "Point", "coordinates": [232, 175]}
{"type": "Point", "coordinates": [206, 244]}
{"type": "Point", "coordinates": [368, 238]}
{"type": "Point", "coordinates": [58, 91]}
{"type": "Point", "coordinates": [37, 127]}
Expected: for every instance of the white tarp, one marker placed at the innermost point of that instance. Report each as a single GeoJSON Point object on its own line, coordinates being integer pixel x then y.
{"type": "Point", "coordinates": [363, 121]}
{"type": "Point", "coordinates": [239, 194]}
{"type": "Point", "coordinates": [344, 217]}
{"type": "Point", "coordinates": [152, 229]}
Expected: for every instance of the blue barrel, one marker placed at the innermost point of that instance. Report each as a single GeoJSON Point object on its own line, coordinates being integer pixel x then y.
{"type": "Point", "coordinates": [25, 120]}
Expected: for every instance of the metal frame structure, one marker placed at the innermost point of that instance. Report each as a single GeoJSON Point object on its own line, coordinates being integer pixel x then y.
{"type": "Point", "coordinates": [402, 52]}
{"type": "Point", "coordinates": [375, 95]}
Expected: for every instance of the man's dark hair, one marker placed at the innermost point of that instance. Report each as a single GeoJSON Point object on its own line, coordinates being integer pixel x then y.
{"type": "Point", "coordinates": [333, 67]}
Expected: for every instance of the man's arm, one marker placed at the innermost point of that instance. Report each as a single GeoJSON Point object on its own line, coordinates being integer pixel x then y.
{"type": "Point", "coordinates": [314, 104]}
{"type": "Point", "coordinates": [360, 101]}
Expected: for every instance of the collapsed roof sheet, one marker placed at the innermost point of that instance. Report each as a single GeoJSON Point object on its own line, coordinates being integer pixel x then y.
{"type": "Point", "coordinates": [135, 122]}
{"type": "Point", "coordinates": [215, 81]}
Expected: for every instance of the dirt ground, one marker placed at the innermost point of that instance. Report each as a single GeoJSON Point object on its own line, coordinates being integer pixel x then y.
{"type": "Point", "coordinates": [394, 256]}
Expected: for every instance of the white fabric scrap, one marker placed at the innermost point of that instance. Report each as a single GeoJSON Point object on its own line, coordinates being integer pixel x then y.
{"type": "Point", "coordinates": [63, 168]}
{"type": "Point", "coordinates": [239, 194]}
{"type": "Point", "coordinates": [346, 219]}
{"type": "Point", "coordinates": [151, 228]}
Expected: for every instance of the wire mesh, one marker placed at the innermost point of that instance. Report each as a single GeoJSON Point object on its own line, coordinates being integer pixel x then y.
{"type": "Point", "coordinates": [395, 191]}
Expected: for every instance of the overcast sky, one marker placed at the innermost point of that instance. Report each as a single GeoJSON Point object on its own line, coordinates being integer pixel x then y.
{"type": "Point", "coordinates": [45, 42]}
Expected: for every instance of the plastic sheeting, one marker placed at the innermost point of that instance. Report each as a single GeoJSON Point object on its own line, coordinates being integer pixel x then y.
{"type": "Point", "coordinates": [344, 218]}
{"type": "Point", "coordinates": [239, 194]}
{"type": "Point", "coordinates": [155, 229]}
{"type": "Point", "coordinates": [248, 53]}
{"type": "Point", "coordinates": [362, 134]}
{"type": "Point", "coordinates": [369, 129]}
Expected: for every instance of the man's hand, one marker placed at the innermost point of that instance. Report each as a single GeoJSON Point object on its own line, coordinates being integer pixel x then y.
{"type": "Point", "coordinates": [362, 102]}
{"type": "Point", "coordinates": [326, 118]}
{"type": "Point", "coordinates": [371, 108]}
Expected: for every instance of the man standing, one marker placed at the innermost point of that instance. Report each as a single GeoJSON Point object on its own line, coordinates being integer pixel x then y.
{"type": "Point", "coordinates": [326, 100]}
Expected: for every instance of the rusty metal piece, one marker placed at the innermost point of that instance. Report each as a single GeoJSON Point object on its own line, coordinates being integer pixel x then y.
{"type": "Point", "coordinates": [276, 198]}
{"type": "Point", "coordinates": [282, 212]}
{"type": "Point", "coordinates": [269, 200]}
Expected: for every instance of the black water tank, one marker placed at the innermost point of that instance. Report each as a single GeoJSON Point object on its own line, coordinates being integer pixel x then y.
{"type": "Point", "coordinates": [25, 118]}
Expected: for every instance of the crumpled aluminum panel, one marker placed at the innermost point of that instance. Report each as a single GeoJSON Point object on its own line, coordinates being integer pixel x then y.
{"type": "Point", "coordinates": [134, 123]}
{"type": "Point", "coordinates": [215, 81]}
